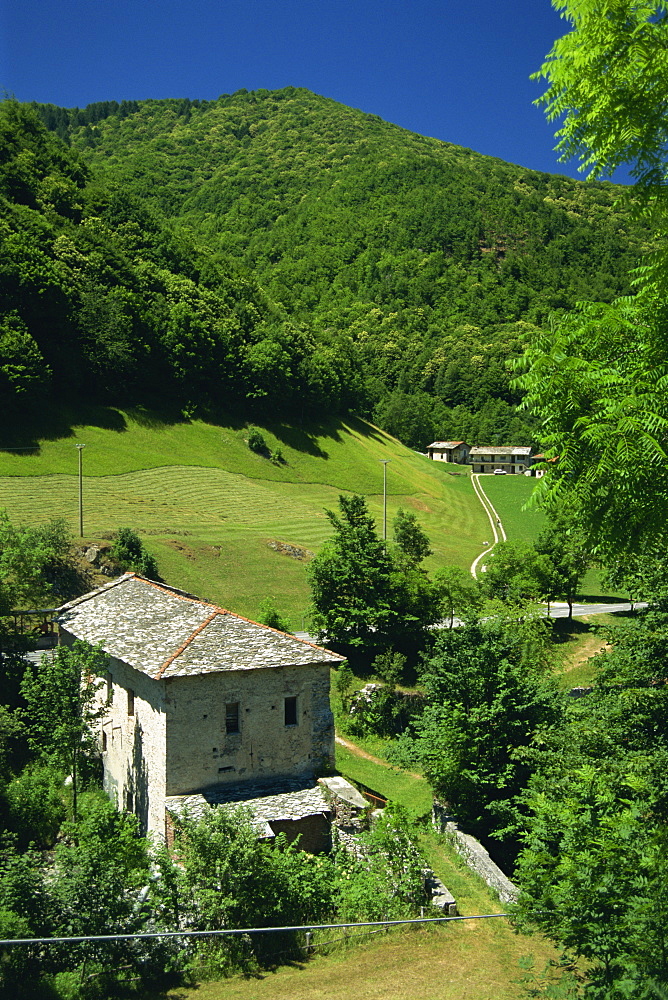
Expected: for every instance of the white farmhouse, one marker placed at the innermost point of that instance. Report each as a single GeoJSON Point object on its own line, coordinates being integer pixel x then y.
{"type": "Point", "coordinates": [506, 458]}
{"type": "Point", "coordinates": [200, 700]}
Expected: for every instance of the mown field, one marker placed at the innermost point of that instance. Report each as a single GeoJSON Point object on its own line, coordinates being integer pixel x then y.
{"type": "Point", "coordinates": [510, 495]}
{"type": "Point", "coordinates": [219, 517]}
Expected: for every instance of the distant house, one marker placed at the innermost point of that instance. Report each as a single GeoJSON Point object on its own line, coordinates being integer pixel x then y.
{"type": "Point", "coordinates": [503, 457]}
{"type": "Point", "coordinates": [202, 702]}
{"type": "Point", "coordinates": [449, 451]}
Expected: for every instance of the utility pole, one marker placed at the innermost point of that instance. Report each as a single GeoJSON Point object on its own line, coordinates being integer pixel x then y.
{"type": "Point", "coordinates": [80, 448]}
{"type": "Point", "coordinates": [384, 462]}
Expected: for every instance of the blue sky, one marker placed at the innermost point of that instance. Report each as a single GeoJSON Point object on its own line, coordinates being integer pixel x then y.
{"type": "Point", "coordinates": [455, 71]}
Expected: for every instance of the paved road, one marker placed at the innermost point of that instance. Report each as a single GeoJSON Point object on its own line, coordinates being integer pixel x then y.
{"type": "Point", "coordinates": [579, 610]}
{"type": "Point", "coordinates": [556, 611]}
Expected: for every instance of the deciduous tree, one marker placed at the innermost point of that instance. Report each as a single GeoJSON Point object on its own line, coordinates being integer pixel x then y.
{"type": "Point", "coordinates": [61, 707]}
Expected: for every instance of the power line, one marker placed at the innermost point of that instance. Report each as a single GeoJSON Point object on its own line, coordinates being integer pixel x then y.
{"type": "Point", "coordinates": [227, 932]}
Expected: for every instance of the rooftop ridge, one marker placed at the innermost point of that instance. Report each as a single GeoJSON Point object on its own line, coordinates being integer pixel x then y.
{"type": "Point", "coordinates": [223, 611]}
{"type": "Point", "coordinates": [184, 646]}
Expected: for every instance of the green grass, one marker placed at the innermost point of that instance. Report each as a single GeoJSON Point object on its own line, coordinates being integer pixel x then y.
{"type": "Point", "coordinates": [468, 960]}
{"type": "Point", "coordinates": [509, 494]}
{"type": "Point", "coordinates": [390, 782]}
{"type": "Point", "coordinates": [212, 511]}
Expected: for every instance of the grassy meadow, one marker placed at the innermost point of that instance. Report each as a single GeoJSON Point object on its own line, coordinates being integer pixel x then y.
{"type": "Point", "coordinates": [217, 516]}
{"type": "Point", "coordinates": [510, 495]}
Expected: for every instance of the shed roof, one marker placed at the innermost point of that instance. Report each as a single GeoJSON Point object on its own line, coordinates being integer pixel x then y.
{"type": "Point", "coordinates": [165, 632]}
{"type": "Point", "coordinates": [286, 800]}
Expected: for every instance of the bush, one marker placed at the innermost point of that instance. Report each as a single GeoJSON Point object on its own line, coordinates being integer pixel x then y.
{"type": "Point", "coordinates": [256, 442]}
{"type": "Point", "coordinates": [36, 807]}
{"type": "Point", "coordinates": [271, 616]}
{"type": "Point", "coordinates": [129, 552]}
{"type": "Point", "coordinates": [386, 880]}
{"type": "Point", "coordinates": [230, 879]}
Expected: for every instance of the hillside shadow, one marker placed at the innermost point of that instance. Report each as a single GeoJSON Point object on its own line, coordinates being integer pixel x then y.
{"type": "Point", "coordinates": [304, 437]}
{"type": "Point", "coordinates": [300, 439]}
{"type": "Point", "coordinates": [24, 431]}
{"type": "Point", "coordinates": [365, 429]}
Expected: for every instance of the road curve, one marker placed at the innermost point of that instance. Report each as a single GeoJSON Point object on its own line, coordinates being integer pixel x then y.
{"type": "Point", "coordinates": [494, 520]}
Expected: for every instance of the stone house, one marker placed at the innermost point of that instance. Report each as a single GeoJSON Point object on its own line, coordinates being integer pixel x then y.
{"type": "Point", "coordinates": [202, 702]}
{"type": "Point", "coordinates": [449, 451]}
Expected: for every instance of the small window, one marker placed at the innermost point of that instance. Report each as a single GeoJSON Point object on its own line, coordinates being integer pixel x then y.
{"type": "Point", "coordinates": [131, 702]}
{"type": "Point", "coordinates": [104, 741]}
{"type": "Point", "coordinates": [291, 711]}
{"type": "Point", "coordinates": [232, 717]}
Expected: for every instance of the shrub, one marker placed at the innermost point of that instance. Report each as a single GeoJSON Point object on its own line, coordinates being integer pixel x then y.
{"type": "Point", "coordinates": [129, 552]}
{"type": "Point", "coordinates": [256, 442]}
{"type": "Point", "coordinates": [36, 807]}
{"type": "Point", "coordinates": [386, 879]}
{"type": "Point", "coordinates": [271, 616]}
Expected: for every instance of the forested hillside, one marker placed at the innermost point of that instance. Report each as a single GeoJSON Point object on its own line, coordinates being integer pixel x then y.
{"type": "Point", "coordinates": [280, 250]}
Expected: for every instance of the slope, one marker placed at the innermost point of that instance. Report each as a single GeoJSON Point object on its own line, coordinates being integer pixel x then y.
{"type": "Point", "coordinates": [433, 261]}
{"type": "Point", "coordinates": [224, 522]}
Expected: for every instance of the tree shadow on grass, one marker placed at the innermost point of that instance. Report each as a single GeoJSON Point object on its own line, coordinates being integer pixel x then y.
{"type": "Point", "coordinates": [566, 629]}
{"type": "Point", "coordinates": [602, 599]}
{"type": "Point", "coordinates": [304, 437]}
{"type": "Point", "coordinates": [53, 421]}
{"type": "Point", "coordinates": [300, 439]}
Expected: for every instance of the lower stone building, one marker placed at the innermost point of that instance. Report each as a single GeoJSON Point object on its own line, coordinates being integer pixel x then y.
{"type": "Point", "coordinates": [200, 701]}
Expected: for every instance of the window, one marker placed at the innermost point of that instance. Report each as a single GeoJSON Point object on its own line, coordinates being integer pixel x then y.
{"type": "Point", "coordinates": [291, 711]}
{"type": "Point", "coordinates": [232, 717]}
{"type": "Point", "coordinates": [131, 702]}
{"type": "Point", "coordinates": [104, 741]}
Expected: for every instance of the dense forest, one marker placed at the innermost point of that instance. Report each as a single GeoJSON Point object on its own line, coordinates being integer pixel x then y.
{"type": "Point", "coordinates": [279, 252]}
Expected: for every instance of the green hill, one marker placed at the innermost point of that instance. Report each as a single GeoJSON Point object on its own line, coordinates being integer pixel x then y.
{"type": "Point", "coordinates": [228, 524]}
{"type": "Point", "coordinates": [361, 266]}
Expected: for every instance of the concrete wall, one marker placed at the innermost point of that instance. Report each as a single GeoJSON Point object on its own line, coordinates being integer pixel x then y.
{"type": "Point", "coordinates": [200, 752]}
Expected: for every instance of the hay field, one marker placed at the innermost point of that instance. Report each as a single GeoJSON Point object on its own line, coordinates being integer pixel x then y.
{"type": "Point", "coordinates": [220, 518]}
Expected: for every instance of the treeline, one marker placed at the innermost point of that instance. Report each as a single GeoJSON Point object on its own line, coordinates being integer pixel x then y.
{"type": "Point", "coordinates": [100, 300]}
{"type": "Point", "coordinates": [414, 266]}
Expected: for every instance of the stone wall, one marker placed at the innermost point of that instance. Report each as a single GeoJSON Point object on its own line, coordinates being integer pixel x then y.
{"type": "Point", "coordinates": [349, 808]}
{"type": "Point", "coordinates": [475, 855]}
{"type": "Point", "coordinates": [201, 754]}
{"type": "Point", "coordinates": [133, 743]}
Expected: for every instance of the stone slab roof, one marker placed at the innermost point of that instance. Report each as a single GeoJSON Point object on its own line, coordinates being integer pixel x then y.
{"type": "Point", "coordinates": [445, 444]}
{"type": "Point", "coordinates": [500, 450]}
{"type": "Point", "coordinates": [266, 804]}
{"type": "Point", "coordinates": [166, 633]}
